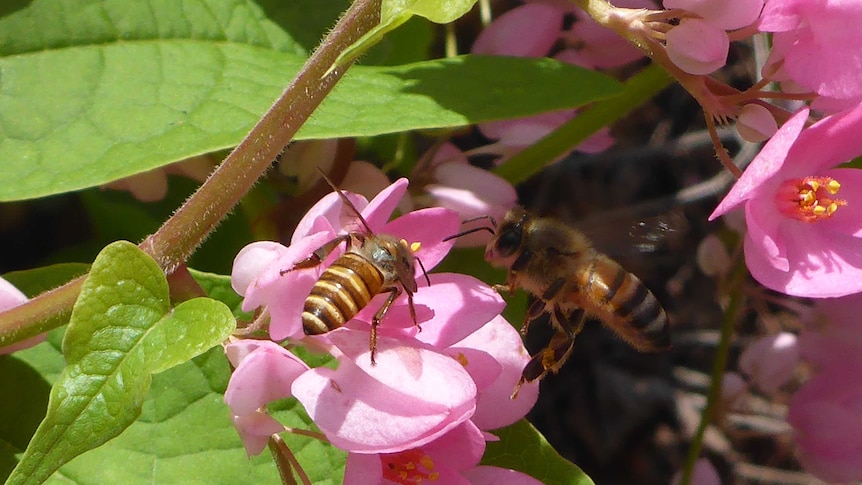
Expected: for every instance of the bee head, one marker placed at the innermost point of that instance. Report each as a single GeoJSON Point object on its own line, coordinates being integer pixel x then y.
{"type": "Point", "coordinates": [394, 258]}
{"type": "Point", "coordinates": [504, 246]}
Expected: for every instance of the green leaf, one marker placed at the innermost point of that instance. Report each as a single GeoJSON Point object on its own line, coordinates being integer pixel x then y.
{"type": "Point", "coordinates": [121, 331]}
{"type": "Point", "coordinates": [101, 97]}
{"type": "Point", "coordinates": [523, 448]}
{"type": "Point", "coordinates": [393, 13]}
{"type": "Point", "coordinates": [437, 11]}
{"type": "Point", "coordinates": [184, 434]}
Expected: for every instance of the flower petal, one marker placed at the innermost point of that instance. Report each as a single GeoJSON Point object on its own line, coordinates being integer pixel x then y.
{"type": "Point", "coordinates": [332, 210]}
{"type": "Point", "coordinates": [255, 429]}
{"type": "Point", "coordinates": [264, 374]}
{"type": "Point", "coordinates": [494, 408]}
{"type": "Point", "coordinates": [427, 227]}
{"type": "Point", "coordinates": [821, 264]}
{"type": "Point", "coordinates": [764, 166]}
{"type": "Point", "coordinates": [251, 261]}
{"type": "Point", "coordinates": [379, 210]}
{"type": "Point", "coordinates": [411, 397]}
{"type": "Point", "coordinates": [461, 303]}
{"type": "Point", "coordinates": [526, 31]}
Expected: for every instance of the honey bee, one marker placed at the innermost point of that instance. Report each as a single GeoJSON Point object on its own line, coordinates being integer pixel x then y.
{"type": "Point", "coordinates": [571, 282]}
{"type": "Point", "coordinates": [371, 264]}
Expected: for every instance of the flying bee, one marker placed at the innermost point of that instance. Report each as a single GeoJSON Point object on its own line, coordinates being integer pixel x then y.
{"type": "Point", "coordinates": [571, 282]}
{"type": "Point", "coordinates": [371, 264]}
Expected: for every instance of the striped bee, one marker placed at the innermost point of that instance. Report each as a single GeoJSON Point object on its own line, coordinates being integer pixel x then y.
{"type": "Point", "coordinates": [571, 281]}
{"type": "Point", "coordinates": [372, 264]}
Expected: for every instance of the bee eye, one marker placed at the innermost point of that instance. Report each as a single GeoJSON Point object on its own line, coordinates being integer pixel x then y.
{"type": "Point", "coordinates": [509, 240]}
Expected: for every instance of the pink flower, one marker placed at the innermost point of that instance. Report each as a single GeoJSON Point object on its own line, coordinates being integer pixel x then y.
{"type": "Point", "coordinates": [837, 335]}
{"type": "Point", "coordinates": [770, 361]}
{"type": "Point", "coordinates": [526, 31]}
{"type": "Point", "coordinates": [412, 396]}
{"type": "Point", "coordinates": [596, 47]}
{"type": "Point", "coordinates": [817, 44]}
{"type": "Point", "coordinates": [470, 191]}
{"type": "Point", "coordinates": [413, 410]}
{"type": "Point", "coordinates": [284, 293]}
{"type": "Point", "coordinates": [826, 414]}
{"type": "Point", "coordinates": [264, 372]}
{"type": "Point", "coordinates": [803, 234]}
{"type": "Point", "coordinates": [11, 297]}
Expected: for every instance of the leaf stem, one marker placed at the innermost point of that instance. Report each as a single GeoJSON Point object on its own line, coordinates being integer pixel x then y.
{"type": "Point", "coordinates": [184, 231]}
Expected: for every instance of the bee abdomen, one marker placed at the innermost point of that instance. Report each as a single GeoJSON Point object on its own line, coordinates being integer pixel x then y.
{"type": "Point", "coordinates": [635, 304]}
{"type": "Point", "coordinates": [343, 289]}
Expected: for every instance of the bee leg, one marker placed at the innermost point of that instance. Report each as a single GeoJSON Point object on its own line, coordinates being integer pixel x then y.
{"type": "Point", "coordinates": [540, 306]}
{"type": "Point", "coordinates": [552, 357]}
{"type": "Point", "coordinates": [536, 310]}
{"type": "Point", "coordinates": [412, 309]}
{"type": "Point", "coordinates": [318, 255]}
{"type": "Point", "coordinates": [375, 321]}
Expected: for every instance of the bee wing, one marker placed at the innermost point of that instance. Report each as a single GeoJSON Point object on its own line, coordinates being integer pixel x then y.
{"type": "Point", "coordinates": [624, 237]}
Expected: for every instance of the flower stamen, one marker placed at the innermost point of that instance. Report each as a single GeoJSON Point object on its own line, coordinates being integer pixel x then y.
{"type": "Point", "coordinates": [410, 467]}
{"type": "Point", "coordinates": [809, 199]}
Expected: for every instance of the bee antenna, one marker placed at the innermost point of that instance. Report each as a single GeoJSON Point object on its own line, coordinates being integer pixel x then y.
{"type": "Point", "coordinates": [427, 279]}
{"type": "Point", "coordinates": [470, 231]}
{"type": "Point", "coordinates": [346, 201]}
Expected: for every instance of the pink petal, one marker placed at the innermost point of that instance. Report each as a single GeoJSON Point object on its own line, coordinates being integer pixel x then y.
{"type": "Point", "coordinates": [494, 408]}
{"type": "Point", "coordinates": [364, 178]}
{"type": "Point", "coordinates": [427, 227]}
{"type": "Point", "coordinates": [765, 165]}
{"type": "Point", "coordinates": [598, 47]}
{"type": "Point", "coordinates": [263, 375]}
{"type": "Point", "coordinates": [697, 47]}
{"type": "Point", "coordinates": [334, 212]}
{"type": "Point", "coordinates": [255, 429]}
{"type": "Point", "coordinates": [780, 16]}
{"type": "Point", "coordinates": [482, 367]}
{"type": "Point", "coordinates": [825, 415]}
{"type": "Point", "coordinates": [363, 469]}
{"type": "Point", "coordinates": [848, 219]}
{"type": "Point", "coordinates": [702, 474]}
{"type": "Point", "coordinates": [770, 361]}
{"type": "Point", "coordinates": [526, 31]}
{"type": "Point", "coordinates": [380, 208]}
{"type": "Point", "coordinates": [822, 264]}
{"type": "Point", "coordinates": [726, 15]}
{"type": "Point", "coordinates": [813, 62]}
{"type": "Point", "coordinates": [764, 231]}
{"type": "Point", "coordinates": [827, 143]}
{"type": "Point", "coordinates": [492, 475]}
{"type": "Point", "coordinates": [448, 153]}
{"type": "Point", "coordinates": [411, 397]}
{"type": "Point", "coordinates": [284, 294]}
{"type": "Point", "coordinates": [483, 185]}
{"type": "Point", "coordinates": [755, 123]}
{"type": "Point", "coordinates": [459, 449]}
{"type": "Point", "coordinates": [462, 304]}
{"type": "Point", "coordinates": [251, 261]}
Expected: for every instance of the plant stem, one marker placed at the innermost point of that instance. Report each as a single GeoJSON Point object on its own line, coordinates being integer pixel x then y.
{"type": "Point", "coordinates": [184, 231]}
{"type": "Point", "coordinates": [713, 395]}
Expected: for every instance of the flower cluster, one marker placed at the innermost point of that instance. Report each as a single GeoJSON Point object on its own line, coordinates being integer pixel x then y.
{"type": "Point", "coordinates": [421, 409]}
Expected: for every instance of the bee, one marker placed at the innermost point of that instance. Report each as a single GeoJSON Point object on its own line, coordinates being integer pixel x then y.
{"type": "Point", "coordinates": [371, 264]}
{"type": "Point", "coordinates": [571, 281]}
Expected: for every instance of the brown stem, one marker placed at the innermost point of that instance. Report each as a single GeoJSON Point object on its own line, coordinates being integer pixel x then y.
{"type": "Point", "coordinates": [180, 235]}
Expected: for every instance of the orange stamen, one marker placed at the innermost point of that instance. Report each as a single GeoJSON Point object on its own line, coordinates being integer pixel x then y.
{"type": "Point", "coordinates": [809, 199]}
